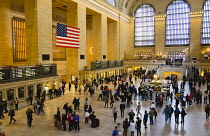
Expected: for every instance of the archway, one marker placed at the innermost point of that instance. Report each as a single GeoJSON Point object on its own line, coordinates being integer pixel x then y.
{"type": "Point", "coordinates": [170, 73]}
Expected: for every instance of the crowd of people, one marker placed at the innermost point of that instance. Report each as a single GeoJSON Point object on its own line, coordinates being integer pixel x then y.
{"type": "Point", "coordinates": [124, 91]}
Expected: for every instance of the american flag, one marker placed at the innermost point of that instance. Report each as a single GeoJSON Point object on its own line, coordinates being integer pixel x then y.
{"type": "Point", "coordinates": [67, 36]}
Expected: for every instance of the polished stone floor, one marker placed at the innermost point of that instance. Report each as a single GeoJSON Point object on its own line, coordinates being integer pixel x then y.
{"type": "Point", "coordinates": [195, 121]}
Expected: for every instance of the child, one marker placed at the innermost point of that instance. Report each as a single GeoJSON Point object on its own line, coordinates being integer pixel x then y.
{"type": "Point", "coordinates": [55, 120]}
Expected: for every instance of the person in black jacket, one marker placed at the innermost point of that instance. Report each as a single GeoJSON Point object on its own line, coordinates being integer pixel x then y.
{"type": "Point", "coordinates": [66, 108]}
{"type": "Point", "coordinates": [176, 114]}
{"type": "Point", "coordinates": [1, 110]}
{"type": "Point", "coordinates": [131, 116]}
{"type": "Point", "coordinates": [183, 114]}
{"type": "Point", "coordinates": [138, 126]}
{"type": "Point", "coordinates": [11, 114]}
{"type": "Point", "coordinates": [29, 113]}
{"type": "Point", "coordinates": [122, 108]}
{"type": "Point", "coordinates": [64, 118]}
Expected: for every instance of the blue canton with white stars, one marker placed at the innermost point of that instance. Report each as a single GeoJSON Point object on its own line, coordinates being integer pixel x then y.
{"type": "Point", "coordinates": [61, 30]}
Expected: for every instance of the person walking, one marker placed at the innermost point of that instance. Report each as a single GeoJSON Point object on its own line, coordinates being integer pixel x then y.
{"type": "Point", "coordinates": [166, 111]}
{"type": "Point", "coordinates": [151, 115]}
{"type": "Point", "coordinates": [207, 109]}
{"type": "Point", "coordinates": [114, 111]}
{"type": "Point", "coordinates": [11, 114]}
{"type": "Point", "coordinates": [183, 114]}
{"type": "Point", "coordinates": [132, 128]}
{"type": "Point", "coordinates": [145, 119]}
{"type": "Point", "coordinates": [69, 86]}
{"type": "Point", "coordinates": [16, 103]}
{"type": "Point", "coordinates": [138, 126]}
{"type": "Point", "coordinates": [153, 106]}
{"type": "Point", "coordinates": [138, 108]}
{"type": "Point", "coordinates": [125, 127]}
{"type": "Point", "coordinates": [29, 113]}
{"type": "Point", "coordinates": [171, 112]}
{"type": "Point", "coordinates": [122, 108]}
{"type": "Point", "coordinates": [176, 114]}
{"type": "Point", "coordinates": [100, 94]}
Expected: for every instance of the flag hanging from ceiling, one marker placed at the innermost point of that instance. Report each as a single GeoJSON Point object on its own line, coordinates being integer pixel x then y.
{"type": "Point", "coordinates": [67, 36]}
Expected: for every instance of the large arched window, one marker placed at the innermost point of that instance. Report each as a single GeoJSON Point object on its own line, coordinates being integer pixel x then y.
{"type": "Point", "coordinates": [178, 24]}
{"type": "Point", "coordinates": [205, 39]}
{"type": "Point", "coordinates": [144, 30]}
{"type": "Point", "coordinates": [112, 2]}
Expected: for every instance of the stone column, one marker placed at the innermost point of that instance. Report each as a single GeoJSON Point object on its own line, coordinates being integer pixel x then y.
{"type": "Point", "coordinates": [72, 53]}
{"type": "Point", "coordinates": [94, 39]}
{"type": "Point", "coordinates": [82, 26]}
{"type": "Point", "coordinates": [113, 45]}
{"type": "Point", "coordinates": [38, 14]}
{"type": "Point", "coordinates": [195, 36]}
{"type": "Point", "coordinates": [160, 35]}
{"type": "Point", "coordinates": [6, 34]}
{"type": "Point", "coordinates": [104, 35]}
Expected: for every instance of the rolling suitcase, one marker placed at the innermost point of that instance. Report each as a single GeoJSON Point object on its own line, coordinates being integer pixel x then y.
{"type": "Point", "coordinates": [116, 98]}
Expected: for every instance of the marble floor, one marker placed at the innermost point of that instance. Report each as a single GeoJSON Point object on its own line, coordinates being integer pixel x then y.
{"type": "Point", "coordinates": [195, 121]}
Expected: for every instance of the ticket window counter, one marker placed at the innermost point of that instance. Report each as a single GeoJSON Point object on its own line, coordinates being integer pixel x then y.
{"type": "Point", "coordinates": [30, 90]}
{"type": "Point", "coordinates": [21, 92]}
{"type": "Point", "coordinates": [10, 95]}
{"type": "Point", "coordinates": [97, 76]}
{"type": "Point", "coordinates": [1, 97]}
{"type": "Point", "coordinates": [54, 85]}
{"type": "Point", "coordinates": [102, 75]}
{"type": "Point", "coordinates": [47, 87]}
{"type": "Point", "coordinates": [90, 77]}
{"type": "Point", "coordinates": [39, 90]}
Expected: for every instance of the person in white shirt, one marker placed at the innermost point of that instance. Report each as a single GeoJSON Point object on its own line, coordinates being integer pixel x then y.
{"type": "Point", "coordinates": [119, 129]}
{"type": "Point", "coordinates": [86, 115]}
{"type": "Point", "coordinates": [100, 94]}
{"type": "Point", "coordinates": [153, 107]}
{"type": "Point", "coordinates": [132, 128]}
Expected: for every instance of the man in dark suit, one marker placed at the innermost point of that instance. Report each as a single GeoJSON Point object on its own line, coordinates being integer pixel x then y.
{"type": "Point", "coordinates": [122, 108]}
{"type": "Point", "coordinates": [11, 114]}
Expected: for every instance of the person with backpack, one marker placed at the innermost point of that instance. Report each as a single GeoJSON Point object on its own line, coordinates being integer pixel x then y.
{"type": "Point", "coordinates": [166, 111]}
{"type": "Point", "coordinates": [176, 114]}
{"type": "Point", "coordinates": [183, 114]}
{"type": "Point", "coordinates": [171, 112]}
